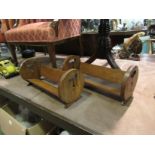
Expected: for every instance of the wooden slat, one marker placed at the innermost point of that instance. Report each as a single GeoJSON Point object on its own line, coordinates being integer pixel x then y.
{"type": "Point", "coordinates": [112, 75]}
{"type": "Point", "coordinates": [45, 86]}
{"type": "Point", "coordinates": [102, 87]}
{"type": "Point", "coordinates": [51, 73]}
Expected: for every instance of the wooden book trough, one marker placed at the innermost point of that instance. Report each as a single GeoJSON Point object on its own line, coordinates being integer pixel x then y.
{"type": "Point", "coordinates": [66, 85]}
{"type": "Point", "coordinates": [111, 81]}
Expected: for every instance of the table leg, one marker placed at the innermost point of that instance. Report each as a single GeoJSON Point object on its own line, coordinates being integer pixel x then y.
{"type": "Point", "coordinates": [104, 44]}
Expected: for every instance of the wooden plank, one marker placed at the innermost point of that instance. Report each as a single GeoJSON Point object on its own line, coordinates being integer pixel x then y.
{"type": "Point", "coordinates": [51, 52]}
{"type": "Point", "coordinates": [53, 74]}
{"type": "Point", "coordinates": [71, 86]}
{"type": "Point", "coordinates": [45, 86]}
{"type": "Point", "coordinates": [112, 75]}
{"type": "Point", "coordinates": [103, 88]}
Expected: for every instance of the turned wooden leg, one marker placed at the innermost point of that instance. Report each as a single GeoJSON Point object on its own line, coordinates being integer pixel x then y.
{"type": "Point", "coordinates": [101, 45]}
{"type": "Point", "coordinates": [81, 46]}
{"type": "Point", "coordinates": [13, 53]}
{"type": "Point", "coordinates": [105, 42]}
{"type": "Point", "coordinates": [93, 57]}
{"type": "Point", "coordinates": [111, 61]}
{"type": "Point", "coordinates": [51, 51]}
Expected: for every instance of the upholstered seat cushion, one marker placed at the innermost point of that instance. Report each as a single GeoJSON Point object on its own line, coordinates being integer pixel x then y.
{"type": "Point", "coordinates": [69, 28]}
{"type": "Point", "coordinates": [34, 32]}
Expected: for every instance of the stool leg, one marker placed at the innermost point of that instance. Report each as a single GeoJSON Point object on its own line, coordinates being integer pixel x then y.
{"type": "Point", "coordinates": [51, 51]}
{"type": "Point", "coordinates": [81, 47]}
{"type": "Point", "coordinates": [13, 53]}
{"type": "Point", "coordinates": [94, 55]}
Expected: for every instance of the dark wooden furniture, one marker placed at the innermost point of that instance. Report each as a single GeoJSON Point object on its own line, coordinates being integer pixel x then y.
{"type": "Point", "coordinates": [103, 44]}
{"type": "Point", "coordinates": [90, 40]}
{"type": "Point", "coordinates": [117, 37]}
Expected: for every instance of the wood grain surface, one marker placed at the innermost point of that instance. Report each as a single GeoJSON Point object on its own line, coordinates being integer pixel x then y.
{"type": "Point", "coordinates": [68, 84]}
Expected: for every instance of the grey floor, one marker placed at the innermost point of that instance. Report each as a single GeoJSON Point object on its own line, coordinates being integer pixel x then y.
{"type": "Point", "coordinates": [4, 53]}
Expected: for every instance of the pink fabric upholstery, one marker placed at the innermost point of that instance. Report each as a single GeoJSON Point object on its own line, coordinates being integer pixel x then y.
{"type": "Point", "coordinates": [28, 21]}
{"type": "Point", "coordinates": [69, 28]}
{"type": "Point", "coordinates": [44, 20]}
{"type": "Point", "coordinates": [34, 32]}
{"type": "Point", "coordinates": [3, 29]}
{"type": "Point", "coordinates": [38, 31]}
{"type": "Point", "coordinates": [23, 22]}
